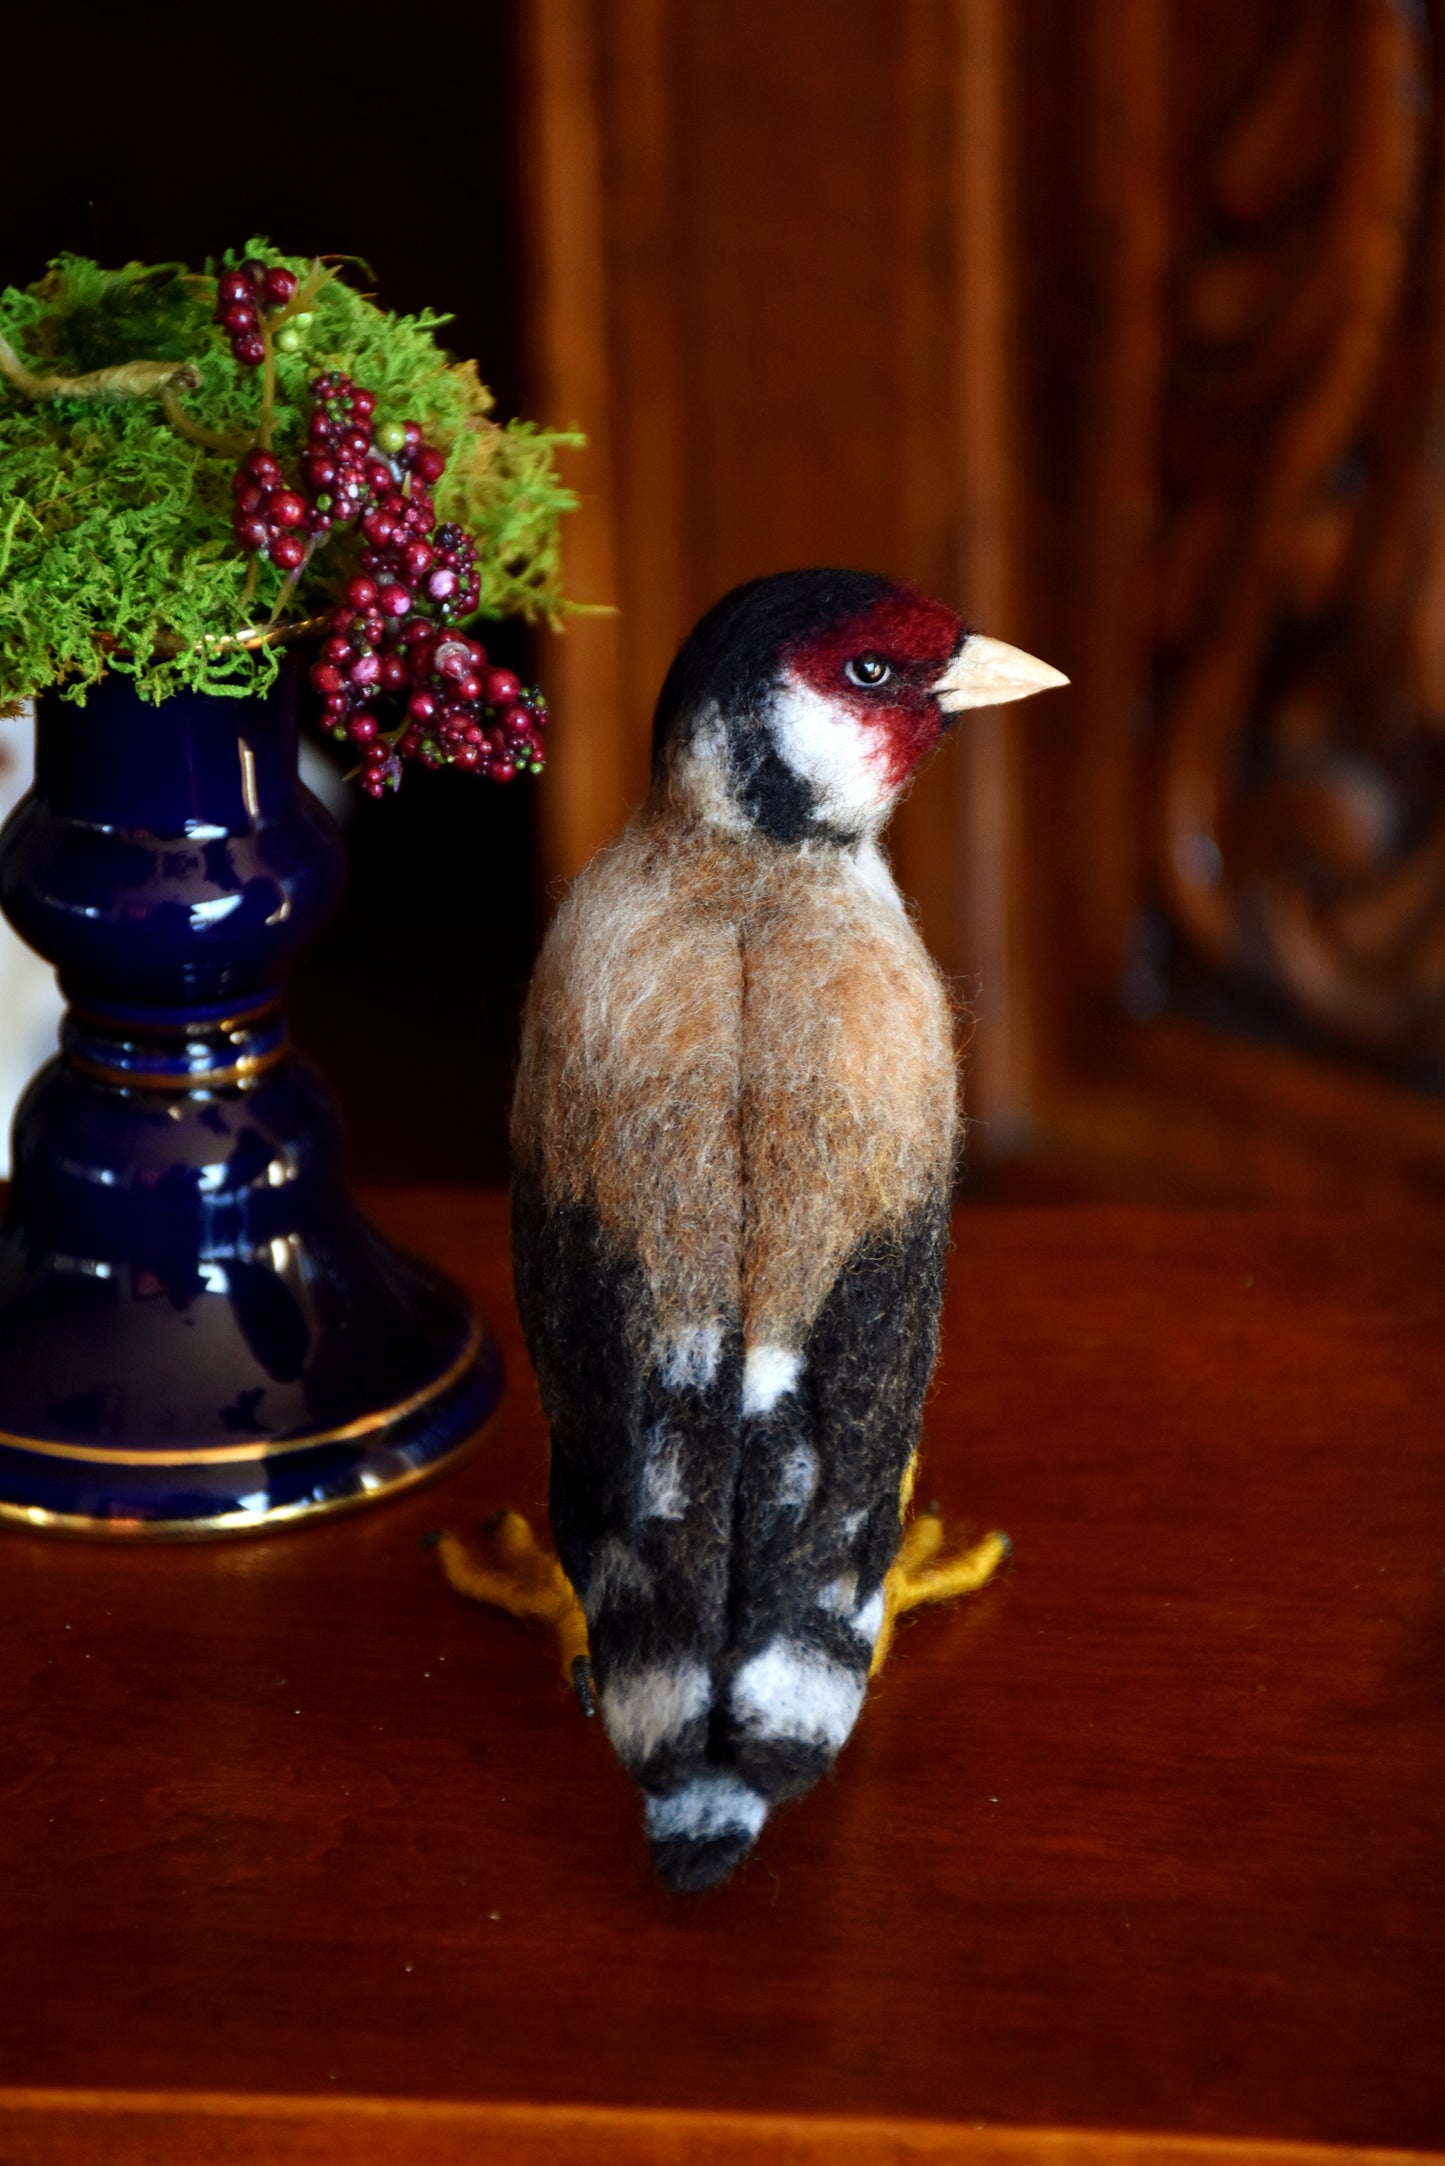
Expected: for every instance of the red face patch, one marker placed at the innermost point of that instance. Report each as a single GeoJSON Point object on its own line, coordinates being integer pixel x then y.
{"type": "Point", "coordinates": [880, 666]}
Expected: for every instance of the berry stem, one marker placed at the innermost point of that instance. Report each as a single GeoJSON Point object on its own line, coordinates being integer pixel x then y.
{"type": "Point", "coordinates": [304, 298]}
{"type": "Point", "coordinates": [193, 432]}
{"type": "Point", "coordinates": [269, 323]}
{"type": "Point", "coordinates": [289, 583]}
{"type": "Point", "coordinates": [268, 388]}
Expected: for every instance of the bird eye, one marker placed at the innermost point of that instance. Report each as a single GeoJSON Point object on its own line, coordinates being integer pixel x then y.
{"type": "Point", "coordinates": [868, 670]}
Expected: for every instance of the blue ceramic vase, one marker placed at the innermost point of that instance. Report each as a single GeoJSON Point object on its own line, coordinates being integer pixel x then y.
{"type": "Point", "coordinates": [199, 1332]}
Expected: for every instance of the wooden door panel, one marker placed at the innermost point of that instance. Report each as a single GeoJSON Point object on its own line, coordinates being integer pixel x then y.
{"type": "Point", "coordinates": [1119, 324]}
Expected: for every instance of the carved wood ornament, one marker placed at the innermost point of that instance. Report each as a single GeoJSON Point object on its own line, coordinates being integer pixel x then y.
{"type": "Point", "coordinates": [1123, 327]}
{"type": "Point", "coordinates": [1300, 649]}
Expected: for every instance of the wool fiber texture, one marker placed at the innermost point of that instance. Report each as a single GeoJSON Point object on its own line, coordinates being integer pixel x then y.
{"type": "Point", "coordinates": [733, 1138]}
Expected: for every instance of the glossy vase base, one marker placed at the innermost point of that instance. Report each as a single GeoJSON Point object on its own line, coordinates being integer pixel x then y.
{"type": "Point", "coordinates": [379, 1477]}
{"type": "Point", "coordinates": [59, 1488]}
{"type": "Point", "coordinates": [200, 1334]}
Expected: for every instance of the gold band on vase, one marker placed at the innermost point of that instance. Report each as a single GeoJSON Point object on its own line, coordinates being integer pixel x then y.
{"type": "Point", "coordinates": [229, 1524]}
{"type": "Point", "coordinates": [222, 1455]}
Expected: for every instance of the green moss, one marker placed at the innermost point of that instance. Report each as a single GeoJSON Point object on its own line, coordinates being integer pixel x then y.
{"type": "Point", "coordinates": [116, 548]}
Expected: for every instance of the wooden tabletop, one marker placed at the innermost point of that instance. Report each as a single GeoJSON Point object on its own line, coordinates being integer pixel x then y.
{"type": "Point", "coordinates": [305, 1858]}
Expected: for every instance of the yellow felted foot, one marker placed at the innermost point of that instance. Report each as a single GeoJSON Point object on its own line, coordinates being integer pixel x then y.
{"type": "Point", "coordinates": [915, 1577]}
{"type": "Point", "coordinates": [516, 1574]}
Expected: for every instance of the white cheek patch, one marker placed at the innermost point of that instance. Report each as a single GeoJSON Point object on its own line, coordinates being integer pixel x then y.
{"type": "Point", "coordinates": [769, 1372]}
{"type": "Point", "coordinates": [663, 1495]}
{"type": "Point", "coordinates": [649, 1708]}
{"type": "Point", "coordinates": [839, 1596]}
{"type": "Point", "coordinates": [691, 1360]}
{"type": "Point", "coordinates": [790, 1691]}
{"type": "Point", "coordinates": [711, 1806]}
{"type": "Point", "coordinates": [797, 1479]}
{"type": "Point", "coordinates": [844, 761]}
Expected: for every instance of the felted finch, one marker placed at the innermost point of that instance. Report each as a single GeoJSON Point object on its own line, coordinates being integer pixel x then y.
{"type": "Point", "coordinates": [734, 1137]}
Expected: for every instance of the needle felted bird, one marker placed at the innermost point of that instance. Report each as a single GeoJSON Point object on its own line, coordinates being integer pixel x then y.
{"type": "Point", "coordinates": [734, 1136]}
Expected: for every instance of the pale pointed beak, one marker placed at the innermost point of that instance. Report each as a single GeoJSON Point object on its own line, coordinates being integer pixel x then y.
{"type": "Point", "coordinates": [986, 672]}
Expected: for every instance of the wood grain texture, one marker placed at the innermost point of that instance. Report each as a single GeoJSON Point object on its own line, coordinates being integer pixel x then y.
{"type": "Point", "coordinates": [569, 365]}
{"type": "Point", "coordinates": [47, 2128]}
{"type": "Point", "coordinates": [1228, 268]}
{"type": "Point", "coordinates": [1120, 326]}
{"type": "Point", "coordinates": [1148, 1837]}
{"type": "Point", "coordinates": [773, 251]}
{"type": "Point", "coordinates": [958, 840]}
{"type": "Point", "coordinates": [1168, 1110]}
{"type": "Point", "coordinates": [1301, 838]}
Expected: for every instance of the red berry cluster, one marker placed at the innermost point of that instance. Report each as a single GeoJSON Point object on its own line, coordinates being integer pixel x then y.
{"type": "Point", "coordinates": [268, 515]}
{"type": "Point", "coordinates": [242, 298]}
{"type": "Point", "coordinates": [393, 636]}
{"type": "Point", "coordinates": [342, 473]}
{"type": "Point", "coordinates": [458, 712]}
{"type": "Point", "coordinates": [384, 473]}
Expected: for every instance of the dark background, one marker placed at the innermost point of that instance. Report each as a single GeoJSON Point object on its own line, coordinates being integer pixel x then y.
{"type": "Point", "coordinates": [396, 144]}
{"type": "Point", "coordinates": [1032, 301]}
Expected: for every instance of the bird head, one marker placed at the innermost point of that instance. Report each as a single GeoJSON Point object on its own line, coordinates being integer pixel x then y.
{"type": "Point", "coordinates": [801, 704]}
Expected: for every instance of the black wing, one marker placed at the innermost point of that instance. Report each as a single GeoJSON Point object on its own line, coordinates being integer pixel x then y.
{"type": "Point", "coordinates": [643, 1482]}
{"type": "Point", "coordinates": [731, 1570]}
{"type": "Point", "coordinates": [817, 1509]}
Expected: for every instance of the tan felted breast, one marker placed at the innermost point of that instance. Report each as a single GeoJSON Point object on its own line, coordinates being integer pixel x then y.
{"type": "Point", "coordinates": [742, 1057]}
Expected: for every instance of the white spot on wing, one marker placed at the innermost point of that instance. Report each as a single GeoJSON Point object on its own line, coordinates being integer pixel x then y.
{"type": "Point", "coordinates": [615, 1571]}
{"type": "Point", "coordinates": [797, 1478]}
{"type": "Point", "coordinates": [840, 1595]}
{"type": "Point", "coordinates": [712, 1805]}
{"type": "Point", "coordinates": [869, 1619]}
{"type": "Point", "coordinates": [691, 1360]}
{"type": "Point", "coordinates": [791, 1691]}
{"type": "Point", "coordinates": [649, 1707]}
{"type": "Point", "coordinates": [663, 1494]}
{"type": "Point", "coordinates": [768, 1373]}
